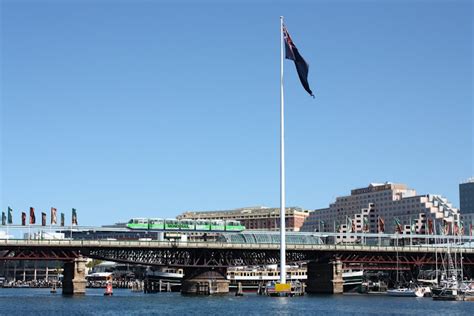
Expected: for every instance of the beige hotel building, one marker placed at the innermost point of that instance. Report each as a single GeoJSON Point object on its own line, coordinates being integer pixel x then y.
{"type": "Point", "coordinates": [361, 210]}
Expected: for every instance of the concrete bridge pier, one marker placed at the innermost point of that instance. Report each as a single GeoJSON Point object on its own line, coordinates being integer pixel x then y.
{"type": "Point", "coordinates": [74, 277]}
{"type": "Point", "coordinates": [325, 277]}
{"type": "Point", "coordinates": [205, 281]}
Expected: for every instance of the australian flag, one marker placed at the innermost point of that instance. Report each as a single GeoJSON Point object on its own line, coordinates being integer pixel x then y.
{"type": "Point", "coordinates": [302, 67]}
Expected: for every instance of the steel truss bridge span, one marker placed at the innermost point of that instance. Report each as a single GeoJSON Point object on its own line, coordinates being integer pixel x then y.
{"type": "Point", "coordinates": [214, 254]}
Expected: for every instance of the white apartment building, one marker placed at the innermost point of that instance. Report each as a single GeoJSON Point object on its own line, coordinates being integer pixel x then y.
{"type": "Point", "coordinates": [389, 202]}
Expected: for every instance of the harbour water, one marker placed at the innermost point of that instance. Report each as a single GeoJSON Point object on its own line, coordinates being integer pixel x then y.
{"type": "Point", "coordinates": [124, 302]}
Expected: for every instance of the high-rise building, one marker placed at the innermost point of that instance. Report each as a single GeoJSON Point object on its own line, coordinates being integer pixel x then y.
{"type": "Point", "coordinates": [255, 218]}
{"type": "Point", "coordinates": [394, 205]}
{"type": "Point", "coordinates": [466, 204]}
{"type": "Point", "coordinates": [466, 196]}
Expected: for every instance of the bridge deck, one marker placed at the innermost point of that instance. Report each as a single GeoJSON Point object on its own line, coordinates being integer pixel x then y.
{"type": "Point", "coordinates": [115, 244]}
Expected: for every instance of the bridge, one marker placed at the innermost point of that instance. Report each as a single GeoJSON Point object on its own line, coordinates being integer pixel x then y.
{"type": "Point", "coordinates": [374, 252]}
{"type": "Point", "coordinates": [220, 254]}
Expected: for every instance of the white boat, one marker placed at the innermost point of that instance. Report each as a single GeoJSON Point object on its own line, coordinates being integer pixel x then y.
{"type": "Point", "coordinates": [423, 291]}
{"type": "Point", "coordinates": [401, 291]}
{"type": "Point", "coordinates": [352, 280]}
{"type": "Point", "coordinates": [251, 277]}
{"type": "Point", "coordinates": [405, 292]}
{"type": "Point", "coordinates": [166, 274]}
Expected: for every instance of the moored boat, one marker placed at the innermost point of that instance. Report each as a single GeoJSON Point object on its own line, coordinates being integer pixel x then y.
{"type": "Point", "coordinates": [423, 291]}
{"type": "Point", "coordinates": [352, 280]}
{"type": "Point", "coordinates": [445, 294]}
{"type": "Point", "coordinates": [294, 288]}
{"type": "Point", "coordinates": [402, 292]}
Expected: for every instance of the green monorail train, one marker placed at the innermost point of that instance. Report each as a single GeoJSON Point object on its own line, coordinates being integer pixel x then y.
{"type": "Point", "coordinates": [185, 224]}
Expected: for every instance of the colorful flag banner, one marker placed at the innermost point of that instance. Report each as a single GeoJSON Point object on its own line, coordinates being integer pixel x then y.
{"type": "Point", "coordinates": [398, 226]}
{"type": "Point", "coordinates": [456, 229]}
{"type": "Point", "coordinates": [430, 226]}
{"type": "Point", "coordinates": [74, 217]}
{"type": "Point", "coordinates": [381, 225]}
{"type": "Point", "coordinates": [43, 219]}
{"type": "Point", "coordinates": [62, 219]}
{"type": "Point", "coordinates": [10, 215]}
{"type": "Point", "coordinates": [23, 218]}
{"type": "Point", "coordinates": [53, 216]}
{"type": "Point", "coordinates": [447, 228]}
{"type": "Point", "coordinates": [292, 53]}
{"type": "Point", "coordinates": [413, 226]}
{"type": "Point", "coordinates": [32, 216]}
{"type": "Point", "coordinates": [441, 228]}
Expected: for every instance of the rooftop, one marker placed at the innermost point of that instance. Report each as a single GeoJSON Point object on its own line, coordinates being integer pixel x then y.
{"type": "Point", "coordinates": [246, 210]}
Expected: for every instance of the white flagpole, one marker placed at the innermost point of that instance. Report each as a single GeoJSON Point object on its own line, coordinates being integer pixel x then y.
{"type": "Point", "coordinates": [282, 166]}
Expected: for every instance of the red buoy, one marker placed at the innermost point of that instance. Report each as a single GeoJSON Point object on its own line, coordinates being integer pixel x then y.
{"type": "Point", "coordinates": [108, 289]}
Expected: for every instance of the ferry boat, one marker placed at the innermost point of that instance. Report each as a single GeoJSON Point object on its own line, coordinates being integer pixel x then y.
{"type": "Point", "coordinates": [166, 275]}
{"type": "Point", "coordinates": [352, 280]}
{"type": "Point", "coordinates": [171, 275]}
{"type": "Point", "coordinates": [252, 278]}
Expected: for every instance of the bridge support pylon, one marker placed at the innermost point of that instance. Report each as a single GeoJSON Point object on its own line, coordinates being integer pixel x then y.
{"type": "Point", "coordinates": [74, 277]}
{"type": "Point", "coordinates": [325, 277]}
{"type": "Point", "coordinates": [205, 281]}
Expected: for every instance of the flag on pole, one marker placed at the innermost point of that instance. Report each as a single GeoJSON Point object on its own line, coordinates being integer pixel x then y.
{"type": "Point", "coordinates": [32, 215]}
{"type": "Point", "coordinates": [10, 215]}
{"type": "Point", "coordinates": [23, 218]}
{"type": "Point", "coordinates": [74, 217]}
{"type": "Point", "coordinates": [456, 229]}
{"type": "Point", "coordinates": [53, 216]}
{"type": "Point", "coordinates": [430, 226]}
{"type": "Point", "coordinates": [398, 226]}
{"type": "Point", "coordinates": [448, 229]}
{"type": "Point", "coordinates": [381, 225]}
{"type": "Point", "coordinates": [43, 219]}
{"type": "Point", "coordinates": [349, 224]}
{"type": "Point", "coordinates": [4, 218]}
{"type": "Point", "coordinates": [292, 53]}
{"type": "Point", "coordinates": [413, 226]}
{"type": "Point", "coordinates": [62, 219]}
{"type": "Point", "coordinates": [366, 224]}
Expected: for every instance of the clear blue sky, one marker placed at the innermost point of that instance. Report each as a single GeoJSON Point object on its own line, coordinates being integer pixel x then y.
{"type": "Point", "coordinates": [153, 108]}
